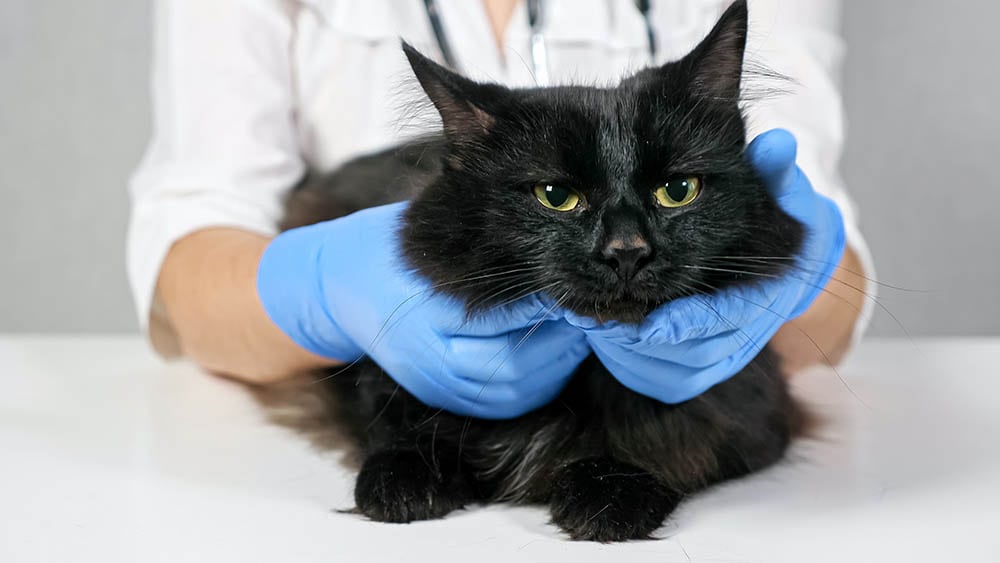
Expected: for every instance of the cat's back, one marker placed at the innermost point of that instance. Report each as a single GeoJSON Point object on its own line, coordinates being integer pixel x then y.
{"type": "Point", "coordinates": [388, 176]}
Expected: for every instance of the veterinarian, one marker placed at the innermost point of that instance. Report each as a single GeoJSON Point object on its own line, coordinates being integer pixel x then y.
{"type": "Point", "coordinates": [249, 95]}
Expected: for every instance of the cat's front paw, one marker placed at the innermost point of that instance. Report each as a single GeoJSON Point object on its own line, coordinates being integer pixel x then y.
{"type": "Point", "coordinates": [600, 499]}
{"type": "Point", "coordinates": [402, 486]}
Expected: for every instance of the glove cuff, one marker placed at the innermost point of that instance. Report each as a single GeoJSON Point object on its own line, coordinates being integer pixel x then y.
{"type": "Point", "coordinates": [820, 265]}
{"type": "Point", "coordinates": [289, 287]}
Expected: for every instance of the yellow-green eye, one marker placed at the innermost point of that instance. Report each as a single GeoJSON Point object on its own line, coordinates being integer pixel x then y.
{"type": "Point", "coordinates": [678, 192]}
{"type": "Point", "coordinates": [557, 197]}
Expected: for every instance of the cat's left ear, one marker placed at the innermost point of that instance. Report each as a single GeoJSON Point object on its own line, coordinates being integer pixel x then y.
{"type": "Point", "coordinates": [715, 67]}
{"type": "Point", "coordinates": [463, 104]}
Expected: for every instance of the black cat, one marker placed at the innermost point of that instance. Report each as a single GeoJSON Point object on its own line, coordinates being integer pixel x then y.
{"type": "Point", "coordinates": [548, 184]}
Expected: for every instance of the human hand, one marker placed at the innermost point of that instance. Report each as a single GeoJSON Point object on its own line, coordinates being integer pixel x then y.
{"type": "Point", "coordinates": [688, 345]}
{"type": "Point", "coordinates": [341, 289]}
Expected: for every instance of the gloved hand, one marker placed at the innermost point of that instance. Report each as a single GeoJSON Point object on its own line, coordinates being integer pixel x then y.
{"type": "Point", "coordinates": [688, 345]}
{"type": "Point", "coordinates": [340, 289]}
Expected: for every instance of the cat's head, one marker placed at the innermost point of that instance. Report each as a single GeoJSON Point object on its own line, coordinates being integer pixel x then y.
{"type": "Point", "coordinates": [612, 200]}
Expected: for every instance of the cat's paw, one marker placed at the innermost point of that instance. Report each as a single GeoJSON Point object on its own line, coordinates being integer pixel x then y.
{"type": "Point", "coordinates": [401, 486]}
{"type": "Point", "coordinates": [600, 499]}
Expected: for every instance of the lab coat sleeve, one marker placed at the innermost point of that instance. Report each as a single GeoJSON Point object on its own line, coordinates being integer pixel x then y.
{"type": "Point", "coordinates": [224, 147]}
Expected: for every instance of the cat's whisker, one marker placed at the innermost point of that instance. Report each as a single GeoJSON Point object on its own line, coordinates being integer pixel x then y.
{"type": "Point", "coordinates": [343, 369]}
{"type": "Point", "coordinates": [765, 259]}
{"type": "Point", "coordinates": [386, 324]}
{"type": "Point", "coordinates": [494, 356]}
{"type": "Point", "coordinates": [499, 278]}
{"type": "Point", "coordinates": [434, 457]}
{"type": "Point", "coordinates": [384, 408]}
{"type": "Point", "coordinates": [461, 436]}
{"type": "Point", "coordinates": [391, 317]}
{"type": "Point", "coordinates": [521, 296]}
{"type": "Point", "coordinates": [527, 335]}
{"type": "Point", "coordinates": [483, 274]}
{"type": "Point", "coordinates": [522, 292]}
{"type": "Point", "coordinates": [840, 298]}
{"type": "Point", "coordinates": [806, 282]}
{"type": "Point", "coordinates": [705, 305]}
{"type": "Point", "coordinates": [429, 418]}
{"type": "Point", "coordinates": [789, 274]}
{"type": "Point", "coordinates": [731, 271]}
{"type": "Point", "coordinates": [786, 322]}
{"type": "Point", "coordinates": [796, 267]}
{"type": "Point", "coordinates": [382, 330]}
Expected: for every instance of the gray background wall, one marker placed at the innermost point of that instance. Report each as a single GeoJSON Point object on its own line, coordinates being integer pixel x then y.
{"type": "Point", "coordinates": [74, 107]}
{"type": "Point", "coordinates": [922, 88]}
{"type": "Point", "coordinates": [921, 85]}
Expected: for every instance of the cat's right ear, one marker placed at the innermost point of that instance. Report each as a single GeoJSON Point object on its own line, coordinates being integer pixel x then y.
{"type": "Point", "coordinates": [715, 66]}
{"type": "Point", "coordinates": [462, 103]}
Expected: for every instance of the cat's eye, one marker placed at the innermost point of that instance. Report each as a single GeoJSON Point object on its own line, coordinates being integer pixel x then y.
{"type": "Point", "coordinates": [678, 192]}
{"type": "Point", "coordinates": [557, 197]}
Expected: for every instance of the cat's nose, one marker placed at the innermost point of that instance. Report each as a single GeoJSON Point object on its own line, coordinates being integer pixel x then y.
{"type": "Point", "coordinates": [627, 255]}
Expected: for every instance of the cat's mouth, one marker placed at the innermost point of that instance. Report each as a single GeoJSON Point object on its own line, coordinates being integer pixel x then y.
{"type": "Point", "coordinates": [621, 311]}
{"type": "Point", "coordinates": [604, 296]}
{"type": "Point", "coordinates": [630, 305]}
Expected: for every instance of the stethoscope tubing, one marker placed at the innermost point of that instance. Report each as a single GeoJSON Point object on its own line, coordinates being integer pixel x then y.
{"type": "Point", "coordinates": [536, 22]}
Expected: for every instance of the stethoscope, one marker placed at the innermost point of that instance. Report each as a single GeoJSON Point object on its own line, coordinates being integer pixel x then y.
{"type": "Point", "coordinates": [536, 21]}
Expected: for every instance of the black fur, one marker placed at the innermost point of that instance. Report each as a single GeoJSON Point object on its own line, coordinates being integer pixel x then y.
{"type": "Point", "coordinates": [610, 463]}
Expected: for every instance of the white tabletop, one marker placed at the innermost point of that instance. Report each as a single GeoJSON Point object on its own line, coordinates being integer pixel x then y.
{"type": "Point", "coordinates": [109, 455]}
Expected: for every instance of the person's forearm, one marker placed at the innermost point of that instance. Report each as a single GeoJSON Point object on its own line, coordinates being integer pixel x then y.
{"type": "Point", "coordinates": [208, 287]}
{"type": "Point", "coordinates": [823, 334]}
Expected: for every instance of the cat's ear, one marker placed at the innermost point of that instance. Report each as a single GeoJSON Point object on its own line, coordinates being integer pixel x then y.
{"type": "Point", "coordinates": [461, 102]}
{"type": "Point", "coordinates": [715, 66]}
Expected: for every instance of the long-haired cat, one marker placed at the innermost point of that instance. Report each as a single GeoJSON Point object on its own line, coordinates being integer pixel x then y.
{"type": "Point", "coordinates": [549, 178]}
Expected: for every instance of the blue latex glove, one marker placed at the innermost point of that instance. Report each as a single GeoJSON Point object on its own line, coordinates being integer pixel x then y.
{"type": "Point", "coordinates": [340, 289]}
{"type": "Point", "coordinates": [690, 344]}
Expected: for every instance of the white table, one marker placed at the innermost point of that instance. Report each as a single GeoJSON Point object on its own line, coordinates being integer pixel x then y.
{"type": "Point", "coordinates": [106, 454]}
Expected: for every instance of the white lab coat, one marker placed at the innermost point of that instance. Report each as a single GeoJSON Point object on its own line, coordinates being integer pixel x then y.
{"type": "Point", "coordinates": [248, 94]}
